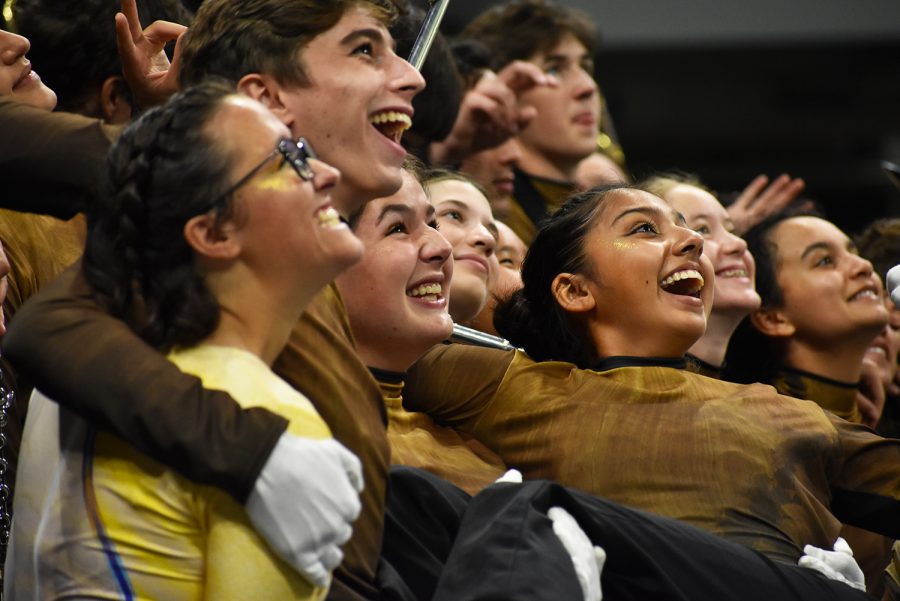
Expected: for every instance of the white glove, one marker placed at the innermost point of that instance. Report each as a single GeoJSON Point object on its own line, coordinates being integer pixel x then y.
{"type": "Point", "coordinates": [587, 558]}
{"type": "Point", "coordinates": [304, 502]}
{"type": "Point", "coordinates": [893, 284]}
{"type": "Point", "coordinates": [837, 565]}
{"type": "Point", "coordinates": [510, 477]}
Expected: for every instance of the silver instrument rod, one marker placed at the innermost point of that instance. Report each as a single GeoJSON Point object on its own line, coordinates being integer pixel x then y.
{"type": "Point", "coordinates": [430, 26]}
{"type": "Point", "coordinates": [465, 335]}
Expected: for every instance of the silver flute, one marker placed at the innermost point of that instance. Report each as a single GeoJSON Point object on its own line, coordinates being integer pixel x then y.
{"type": "Point", "coordinates": [426, 35]}
{"type": "Point", "coordinates": [465, 335]}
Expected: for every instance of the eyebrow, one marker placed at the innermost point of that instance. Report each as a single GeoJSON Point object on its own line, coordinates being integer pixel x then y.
{"type": "Point", "coordinates": [402, 209]}
{"type": "Point", "coordinates": [652, 211]}
{"type": "Point", "coordinates": [367, 33]}
{"type": "Point", "coordinates": [849, 246]}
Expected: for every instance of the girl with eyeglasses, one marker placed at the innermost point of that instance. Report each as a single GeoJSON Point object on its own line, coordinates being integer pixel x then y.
{"type": "Point", "coordinates": [212, 234]}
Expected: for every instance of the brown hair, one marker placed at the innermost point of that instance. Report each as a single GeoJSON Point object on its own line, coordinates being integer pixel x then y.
{"type": "Point", "coordinates": [231, 38]}
{"type": "Point", "coordinates": [520, 29]}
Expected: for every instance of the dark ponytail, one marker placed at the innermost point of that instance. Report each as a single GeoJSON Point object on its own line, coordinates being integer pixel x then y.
{"type": "Point", "coordinates": [531, 318]}
{"type": "Point", "coordinates": [162, 171]}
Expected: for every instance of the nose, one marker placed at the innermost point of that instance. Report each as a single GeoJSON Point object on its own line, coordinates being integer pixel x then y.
{"type": "Point", "coordinates": [12, 47]}
{"type": "Point", "coordinates": [733, 244]}
{"type": "Point", "coordinates": [324, 175]}
{"type": "Point", "coordinates": [860, 267]}
{"type": "Point", "coordinates": [509, 153]}
{"type": "Point", "coordinates": [480, 237]}
{"type": "Point", "coordinates": [584, 86]}
{"type": "Point", "coordinates": [689, 242]}
{"type": "Point", "coordinates": [405, 78]}
{"type": "Point", "coordinates": [435, 248]}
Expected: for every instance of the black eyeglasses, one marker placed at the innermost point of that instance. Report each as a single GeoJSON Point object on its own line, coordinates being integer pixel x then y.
{"type": "Point", "coordinates": [296, 153]}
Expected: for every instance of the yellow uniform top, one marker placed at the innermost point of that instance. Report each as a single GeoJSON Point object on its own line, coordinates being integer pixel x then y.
{"type": "Point", "coordinates": [106, 521]}
{"type": "Point", "coordinates": [419, 442]}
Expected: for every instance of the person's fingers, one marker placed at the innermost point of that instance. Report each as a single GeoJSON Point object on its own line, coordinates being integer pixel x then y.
{"type": "Point", "coordinates": [352, 466]}
{"type": "Point", "coordinates": [751, 192]}
{"type": "Point", "coordinates": [130, 11]}
{"type": "Point", "coordinates": [124, 40]}
{"type": "Point", "coordinates": [174, 68]}
{"type": "Point", "coordinates": [842, 546]}
{"type": "Point", "coordinates": [159, 33]}
{"type": "Point", "coordinates": [505, 105]}
{"type": "Point", "coordinates": [316, 573]}
{"type": "Point", "coordinates": [331, 557]}
{"type": "Point", "coordinates": [521, 76]}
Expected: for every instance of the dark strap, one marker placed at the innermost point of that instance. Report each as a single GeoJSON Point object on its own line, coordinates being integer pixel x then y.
{"type": "Point", "coordinates": [529, 198]}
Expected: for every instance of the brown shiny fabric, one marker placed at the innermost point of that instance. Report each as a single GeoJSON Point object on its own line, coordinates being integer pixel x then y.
{"type": "Point", "coordinates": [837, 397]}
{"type": "Point", "coordinates": [49, 161]}
{"type": "Point", "coordinates": [742, 462]}
{"type": "Point", "coordinates": [419, 442]}
{"type": "Point", "coordinates": [320, 361]}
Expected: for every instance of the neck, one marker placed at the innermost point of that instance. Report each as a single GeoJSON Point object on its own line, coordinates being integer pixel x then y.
{"type": "Point", "coordinates": [714, 343]}
{"type": "Point", "coordinates": [375, 358]}
{"type": "Point", "coordinates": [540, 165]}
{"type": "Point", "coordinates": [840, 361]}
{"type": "Point", "coordinates": [255, 315]}
{"type": "Point", "coordinates": [619, 342]}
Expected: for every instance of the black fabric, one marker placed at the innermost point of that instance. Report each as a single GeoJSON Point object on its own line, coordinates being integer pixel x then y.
{"type": "Point", "coordinates": [422, 515]}
{"type": "Point", "coordinates": [623, 361]}
{"type": "Point", "coordinates": [649, 557]}
{"type": "Point", "coordinates": [529, 198]}
{"type": "Point", "coordinates": [500, 545]}
{"type": "Point", "coordinates": [866, 510]}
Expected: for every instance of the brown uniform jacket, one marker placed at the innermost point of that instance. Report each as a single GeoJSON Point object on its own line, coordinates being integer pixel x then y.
{"type": "Point", "coordinates": [49, 161]}
{"type": "Point", "coordinates": [768, 471]}
{"type": "Point", "coordinates": [419, 442]}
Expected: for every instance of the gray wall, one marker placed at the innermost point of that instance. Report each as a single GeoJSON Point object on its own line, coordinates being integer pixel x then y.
{"type": "Point", "coordinates": [701, 22]}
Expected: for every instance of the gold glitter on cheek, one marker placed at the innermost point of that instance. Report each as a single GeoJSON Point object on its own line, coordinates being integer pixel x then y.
{"type": "Point", "coordinates": [623, 245]}
{"type": "Point", "coordinates": [278, 181]}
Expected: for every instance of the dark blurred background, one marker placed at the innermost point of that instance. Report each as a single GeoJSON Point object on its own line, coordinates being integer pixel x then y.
{"type": "Point", "coordinates": [732, 88]}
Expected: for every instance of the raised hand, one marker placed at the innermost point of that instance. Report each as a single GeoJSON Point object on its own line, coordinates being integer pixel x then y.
{"type": "Point", "coordinates": [145, 66]}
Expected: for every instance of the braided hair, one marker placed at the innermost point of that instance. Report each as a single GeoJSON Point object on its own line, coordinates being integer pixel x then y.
{"type": "Point", "coordinates": [532, 318]}
{"type": "Point", "coordinates": [161, 172]}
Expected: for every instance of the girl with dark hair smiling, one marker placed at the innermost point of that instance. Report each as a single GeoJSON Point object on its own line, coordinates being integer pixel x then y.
{"type": "Point", "coordinates": [214, 231]}
{"type": "Point", "coordinates": [616, 290]}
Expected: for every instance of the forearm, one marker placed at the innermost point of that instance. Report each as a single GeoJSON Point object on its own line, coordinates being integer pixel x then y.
{"type": "Point", "coordinates": [49, 161]}
{"type": "Point", "coordinates": [93, 365]}
{"type": "Point", "coordinates": [455, 383]}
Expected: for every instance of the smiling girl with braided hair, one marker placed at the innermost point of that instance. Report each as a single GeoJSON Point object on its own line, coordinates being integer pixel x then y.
{"type": "Point", "coordinates": [214, 232]}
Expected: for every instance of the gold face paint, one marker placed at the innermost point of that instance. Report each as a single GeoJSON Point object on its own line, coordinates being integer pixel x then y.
{"type": "Point", "coordinates": [623, 245]}
{"type": "Point", "coordinates": [276, 180]}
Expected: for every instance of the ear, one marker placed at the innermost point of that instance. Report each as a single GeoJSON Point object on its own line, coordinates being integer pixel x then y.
{"type": "Point", "coordinates": [269, 92]}
{"type": "Point", "coordinates": [115, 106]}
{"type": "Point", "coordinates": [211, 239]}
{"type": "Point", "coordinates": [772, 322]}
{"type": "Point", "coordinates": [572, 294]}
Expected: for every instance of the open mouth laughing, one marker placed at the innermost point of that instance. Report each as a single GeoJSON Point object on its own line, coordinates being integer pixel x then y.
{"type": "Point", "coordinates": [685, 282]}
{"type": "Point", "coordinates": [391, 124]}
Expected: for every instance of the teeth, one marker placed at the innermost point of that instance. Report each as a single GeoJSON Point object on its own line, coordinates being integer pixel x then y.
{"type": "Point", "coordinates": [877, 349]}
{"type": "Point", "coordinates": [392, 124]}
{"type": "Point", "coordinates": [864, 294]}
{"type": "Point", "coordinates": [329, 217]}
{"type": "Point", "coordinates": [392, 117]}
{"type": "Point", "coordinates": [733, 273]}
{"type": "Point", "coordinates": [687, 274]}
{"type": "Point", "coordinates": [427, 291]}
